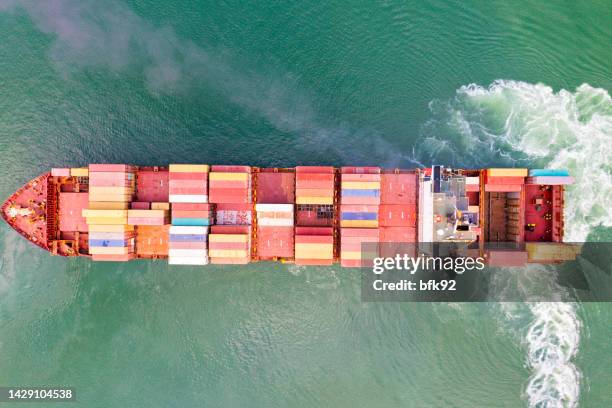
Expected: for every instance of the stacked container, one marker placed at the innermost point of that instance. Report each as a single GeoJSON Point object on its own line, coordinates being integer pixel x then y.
{"type": "Point", "coordinates": [191, 214]}
{"type": "Point", "coordinates": [314, 233]}
{"type": "Point", "coordinates": [111, 187]}
{"type": "Point", "coordinates": [397, 214]}
{"type": "Point", "coordinates": [230, 191]}
{"type": "Point", "coordinates": [148, 217]}
{"type": "Point", "coordinates": [230, 244]}
{"type": "Point", "coordinates": [188, 183]}
{"type": "Point", "coordinates": [314, 245]}
{"type": "Point", "coordinates": [275, 213]}
{"type": "Point", "coordinates": [359, 204]}
{"type": "Point", "coordinates": [187, 245]}
{"type": "Point", "coordinates": [505, 180]}
{"type": "Point", "coordinates": [551, 177]}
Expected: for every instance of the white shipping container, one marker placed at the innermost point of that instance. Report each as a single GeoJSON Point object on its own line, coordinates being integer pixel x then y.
{"type": "Point", "coordinates": [274, 207]}
{"type": "Point", "coordinates": [472, 180]}
{"type": "Point", "coordinates": [188, 198]}
{"type": "Point", "coordinates": [276, 222]}
{"type": "Point", "coordinates": [178, 253]}
{"type": "Point", "coordinates": [187, 260]}
{"type": "Point", "coordinates": [180, 229]}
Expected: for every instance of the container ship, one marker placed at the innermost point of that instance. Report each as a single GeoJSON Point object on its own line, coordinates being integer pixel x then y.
{"type": "Point", "coordinates": [196, 214]}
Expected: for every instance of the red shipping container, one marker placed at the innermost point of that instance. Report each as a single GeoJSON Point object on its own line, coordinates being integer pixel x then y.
{"type": "Point", "coordinates": [398, 234]}
{"type": "Point", "coordinates": [359, 232]}
{"type": "Point", "coordinates": [275, 242]}
{"type": "Point", "coordinates": [233, 184]}
{"type": "Point", "coordinates": [187, 183]}
{"type": "Point", "coordinates": [309, 262]}
{"type": "Point", "coordinates": [110, 183]}
{"type": "Point", "coordinates": [398, 188]}
{"type": "Point", "coordinates": [229, 245]}
{"type": "Point", "coordinates": [505, 180]}
{"type": "Point", "coordinates": [217, 197]}
{"type": "Point", "coordinates": [140, 205]}
{"type": "Point", "coordinates": [360, 170]}
{"type": "Point", "coordinates": [314, 192]}
{"type": "Point", "coordinates": [360, 200]}
{"type": "Point", "coordinates": [231, 169]}
{"type": "Point", "coordinates": [503, 188]}
{"type": "Point", "coordinates": [231, 229]}
{"type": "Point", "coordinates": [361, 177]}
{"type": "Point", "coordinates": [314, 169]}
{"type": "Point", "coordinates": [192, 207]}
{"type": "Point", "coordinates": [314, 177]}
{"type": "Point", "coordinates": [397, 215]}
{"type": "Point", "coordinates": [187, 245]}
{"type": "Point", "coordinates": [313, 231]}
{"type": "Point", "coordinates": [313, 184]}
{"type": "Point", "coordinates": [188, 190]}
{"type": "Point", "coordinates": [230, 261]}
{"type": "Point", "coordinates": [314, 239]}
{"type": "Point", "coordinates": [275, 188]}
{"type": "Point", "coordinates": [188, 176]}
{"type": "Point", "coordinates": [234, 207]}
{"type": "Point", "coordinates": [307, 218]}
{"type": "Point", "coordinates": [472, 187]}
{"type": "Point", "coordinates": [191, 214]}
{"type": "Point", "coordinates": [110, 168]}
{"type": "Point", "coordinates": [358, 208]}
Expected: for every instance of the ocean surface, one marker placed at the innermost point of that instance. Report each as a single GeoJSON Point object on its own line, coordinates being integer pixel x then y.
{"type": "Point", "coordinates": [390, 83]}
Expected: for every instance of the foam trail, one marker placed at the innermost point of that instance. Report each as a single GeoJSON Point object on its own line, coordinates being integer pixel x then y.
{"type": "Point", "coordinates": [517, 123]}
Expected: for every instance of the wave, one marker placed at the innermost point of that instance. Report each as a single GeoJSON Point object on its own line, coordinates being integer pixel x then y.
{"type": "Point", "coordinates": [521, 124]}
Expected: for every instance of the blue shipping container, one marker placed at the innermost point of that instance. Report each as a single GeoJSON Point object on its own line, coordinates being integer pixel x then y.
{"type": "Point", "coordinates": [548, 173]}
{"type": "Point", "coordinates": [188, 238]}
{"type": "Point", "coordinates": [359, 216]}
{"type": "Point", "coordinates": [191, 222]}
{"type": "Point", "coordinates": [360, 193]}
{"type": "Point", "coordinates": [108, 243]}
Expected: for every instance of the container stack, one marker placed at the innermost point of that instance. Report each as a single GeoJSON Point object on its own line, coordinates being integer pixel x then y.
{"type": "Point", "coordinates": [191, 214]}
{"type": "Point", "coordinates": [148, 217]}
{"type": "Point", "coordinates": [314, 245]}
{"type": "Point", "coordinates": [359, 214]}
{"type": "Point", "coordinates": [79, 172]}
{"type": "Point", "coordinates": [314, 232]}
{"type": "Point", "coordinates": [187, 245]}
{"type": "Point", "coordinates": [505, 180]}
{"type": "Point", "coordinates": [111, 187]}
{"type": "Point", "coordinates": [230, 191]}
{"type": "Point", "coordinates": [275, 213]}
{"type": "Point", "coordinates": [230, 244]}
{"type": "Point", "coordinates": [188, 183]}
{"type": "Point", "coordinates": [398, 210]}
{"type": "Point", "coordinates": [550, 177]}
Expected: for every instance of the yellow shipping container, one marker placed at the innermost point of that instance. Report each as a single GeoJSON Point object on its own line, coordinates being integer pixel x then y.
{"type": "Point", "coordinates": [110, 190]}
{"type": "Point", "coordinates": [79, 172]}
{"type": "Point", "coordinates": [508, 172]}
{"type": "Point", "coordinates": [107, 205]}
{"type": "Point", "coordinates": [359, 223]}
{"type": "Point", "coordinates": [350, 255]}
{"type": "Point", "coordinates": [147, 213]}
{"type": "Point", "coordinates": [361, 185]}
{"type": "Point", "coordinates": [104, 213]}
{"type": "Point", "coordinates": [313, 200]}
{"type": "Point", "coordinates": [314, 251]}
{"type": "Point", "coordinates": [188, 168]}
{"type": "Point", "coordinates": [229, 176]}
{"type": "Point", "coordinates": [110, 228]}
{"type": "Point", "coordinates": [228, 238]}
{"type": "Point", "coordinates": [109, 250]}
{"type": "Point", "coordinates": [551, 251]}
{"type": "Point", "coordinates": [228, 253]}
{"type": "Point", "coordinates": [110, 197]}
{"type": "Point", "coordinates": [160, 206]}
{"type": "Point", "coordinates": [105, 221]}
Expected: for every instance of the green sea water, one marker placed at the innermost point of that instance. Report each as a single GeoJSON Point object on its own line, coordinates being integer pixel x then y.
{"type": "Point", "coordinates": [279, 84]}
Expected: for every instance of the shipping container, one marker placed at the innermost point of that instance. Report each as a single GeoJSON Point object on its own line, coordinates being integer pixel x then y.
{"type": "Point", "coordinates": [231, 169]}
{"type": "Point", "coordinates": [313, 251]}
{"type": "Point", "coordinates": [314, 231]}
{"type": "Point", "coordinates": [107, 205]}
{"type": "Point", "coordinates": [140, 205]}
{"type": "Point", "coordinates": [79, 172]}
{"type": "Point", "coordinates": [188, 190]}
{"type": "Point", "coordinates": [188, 230]}
{"type": "Point", "coordinates": [228, 253]}
{"type": "Point", "coordinates": [550, 180]}
{"type": "Point", "coordinates": [110, 197]}
{"type": "Point", "coordinates": [179, 198]}
{"type": "Point", "coordinates": [188, 168]}
{"type": "Point", "coordinates": [507, 172]}
{"type": "Point", "coordinates": [245, 177]}
{"type": "Point", "coordinates": [199, 177]}
{"type": "Point", "coordinates": [105, 213]}
{"type": "Point", "coordinates": [359, 223]}
{"type": "Point", "coordinates": [231, 229]}
{"type": "Point", "coordinates": [361, 177]}
{"type": "Point", "coordinates": [314, 169]}
{"type": "Point", "coordinates": [187, 183]}
{"type": "Point", "coordinates": [106, 221]}
{"type": "Point", "coordinates": [112, 258]}
{"type": "Point", "coordinates": [148, 220]}
{"type": "Point", "coordinates": [505, 180]}
{"type": "Point", "coordinates": [314, 192]}
{"type": "Point", "coordinates": [160, 206]}
{"type": "Point", "coordinates": [275, 188]}
{"type": "Point", "coordinates": [188, 245]}
{"type": "Point", "coordinates": [360, 170]}
{"type": "Point", "coordinates": [119, 168]}
{"type": "Point", "coordinates": [215, 237]}
{"type": "Point", "coordinates": [64, 172]}
{"type": "Point", "coordinates": [148, 213]}
{"type": "Point", "coordinates": [191, 221]}
{"type": "Point", "coordinates": [192, 206]}
{"type": "Point", "coordinates": [314, 239]}
{"type": "Point", "coordinates": [275, 242]}
{"type": "Point", "coordinates": [188, 238]}
{"type": "Point", "coordinates": [229, 245]}
{"type": "Point", "coordinates": [472, 188]}
{"type": "Point", "coordinates": [191, 214]}
{"type": "Point", "coordinates": [360, 200]}
{"type": "Point", "coordinates": [360, 185]}
{"type": "Point", "coordinates": [314, 200]}
{"type": "Point", "coordinates": [115, 243]}
{"type": "Point", "coordinates": [275, 222]}
{"type": "Point", "coordinates": [398, 188]}
{"type": "Point", "coordinates": [110, 228]}
{"type": "Point", "coordinates": [235, 184]}
{"type": "Point", "coordinates": [548, 172]}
